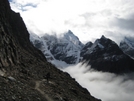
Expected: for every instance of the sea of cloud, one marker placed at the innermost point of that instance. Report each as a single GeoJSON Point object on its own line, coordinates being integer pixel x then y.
{"type": "Point", "coordinates": [105, 86]}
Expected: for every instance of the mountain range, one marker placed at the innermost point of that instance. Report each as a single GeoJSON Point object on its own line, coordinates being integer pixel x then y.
{"type": "Point", "coordinates": [23, 68]}
{"type": "Point", "coordinates": [105, 55]}
{"type": "Point", "coordinates": [66, 48]}
{"type": "Point", "coordinates": [102, 55]}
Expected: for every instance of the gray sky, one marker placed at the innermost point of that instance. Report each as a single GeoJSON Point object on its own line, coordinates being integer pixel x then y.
{"type": "Point", "coordinates": [88, 19]}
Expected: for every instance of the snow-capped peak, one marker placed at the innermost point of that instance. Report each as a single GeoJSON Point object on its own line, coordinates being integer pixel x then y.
{"type": "Point", "coordinates": [41, 45]}
{"type": "Point", "coordinates": [65, 47]}
{"type": "Point", "coordinates": [72, 38]}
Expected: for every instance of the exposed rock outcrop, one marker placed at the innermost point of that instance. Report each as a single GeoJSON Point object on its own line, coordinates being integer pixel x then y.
{"type": "Point", "coordinates": [105, 55]}
{"type": "Point", "coordinates": [22, 65]}
{"type": "Point", "coordinates": [65, 48]}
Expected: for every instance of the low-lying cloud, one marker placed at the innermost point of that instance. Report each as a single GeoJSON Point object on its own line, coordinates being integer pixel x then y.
{"type": "Point", "coordinates": [105, 86]}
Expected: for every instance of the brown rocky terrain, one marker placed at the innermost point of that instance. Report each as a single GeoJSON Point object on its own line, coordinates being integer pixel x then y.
{"type": "Point", "coordinates": [23, 67]}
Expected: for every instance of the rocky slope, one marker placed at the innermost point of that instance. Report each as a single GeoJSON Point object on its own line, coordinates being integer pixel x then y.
{"type": "Point", "coordinates": [23, 67]}
{"type": "Point", "coordinates": [105, 55]}
{"type": "Point", "coordinates": [127, 46]}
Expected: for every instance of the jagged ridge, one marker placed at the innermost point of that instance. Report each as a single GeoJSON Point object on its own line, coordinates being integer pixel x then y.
{"type": "Point", "coordinates": [65, 48]}
{"type": "Point", "coordinates": [105, 55]}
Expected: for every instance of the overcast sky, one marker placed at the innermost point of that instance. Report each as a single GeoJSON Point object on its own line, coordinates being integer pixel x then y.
{"type": "Point", "coordinates": [88, 19]}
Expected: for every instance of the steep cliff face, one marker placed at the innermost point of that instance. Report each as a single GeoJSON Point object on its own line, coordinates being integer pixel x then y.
{"type": "Point", "coordinates": [23, 67]}
{"type": "Point", "coordinates": [8, 53]}
{"type": "Point", "coordinates": [14, 37]}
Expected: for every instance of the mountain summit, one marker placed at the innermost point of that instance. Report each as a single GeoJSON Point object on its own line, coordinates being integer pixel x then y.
{"type": "Point", "coordinates": [105, 55]}
{"type": "Point", "coordinates": [23, 68]}
{"type": "Point", "coordinates": [65, 48]}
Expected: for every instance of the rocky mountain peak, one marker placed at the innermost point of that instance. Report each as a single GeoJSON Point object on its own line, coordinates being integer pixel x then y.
{"type": "Point", "coordinates": [105, 41]}
{"type": "Point", "coordinates": [66, 48]}
{"type": "Point", "coordinates": [72, 38]}
{"type": "Point", "coordinates": [105, 55]}
{"type": "Point", "coordinates": [103, 37]}
{"type": "Point", "coordinates": [69, 32]}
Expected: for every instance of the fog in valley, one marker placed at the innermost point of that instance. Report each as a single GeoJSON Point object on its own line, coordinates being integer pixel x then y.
{"type": "Point", "coordinates": [105, 86]}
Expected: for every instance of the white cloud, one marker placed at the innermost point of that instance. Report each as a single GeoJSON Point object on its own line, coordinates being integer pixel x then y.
{"type": "Point", "coordinates": [88, 19]}
{"type": "Point", "coordinates": [105, 86]}
{"type": "Point", "coordinates": [24, 5]}
{"type": "Point", "coordinates": [26, 2]}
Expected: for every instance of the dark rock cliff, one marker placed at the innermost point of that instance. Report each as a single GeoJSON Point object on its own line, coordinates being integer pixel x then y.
{"type": "Point", "coordinates": [23, 67]}
{"type": "Point", "coordinates": [105, 55]}
{"type": "Point", "coordinates": [14, 37]}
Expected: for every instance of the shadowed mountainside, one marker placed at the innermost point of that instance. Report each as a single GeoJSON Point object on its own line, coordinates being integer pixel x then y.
{"type": "Point", "coordinates": [23, 67]}
{"type": "Point", "coordinates": [105, 55]}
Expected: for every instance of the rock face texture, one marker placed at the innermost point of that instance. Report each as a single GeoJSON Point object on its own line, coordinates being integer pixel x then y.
{"type": "Point", "coordinates": [23, 67]}
{"type": "Point", "coordinates": [127, 46]}
{"type": "Point", "coordinates": [14, 37]}
{"type": "Point", "coordinates": [65, 48]}
{"type": "Point", "coordinates": [41, 44]}
{"type": "Point", "coordinates": [105, 55]}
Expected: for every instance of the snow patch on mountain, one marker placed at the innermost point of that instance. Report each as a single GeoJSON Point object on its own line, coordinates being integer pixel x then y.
{"type": "Point", "coordinates": [100, 45]}
{"type": "Point", "coordinates": [41, 45]}
{"type": "Point", "coordinates": [66, 47]}
{"type": "Point", "coordinates": [127, 46]}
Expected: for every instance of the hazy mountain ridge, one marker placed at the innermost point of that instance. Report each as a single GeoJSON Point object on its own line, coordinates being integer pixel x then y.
{"type": "Point", "coordinates": [127, 45]}
{"type": "Point", "coordinates": [23, 67]}
{"type": "Point", "coordinates": [41, 45]}
{"type": "Point", "coordinates": [66, 48]}
{"type": "Point", "coordinates": [103, 55]}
